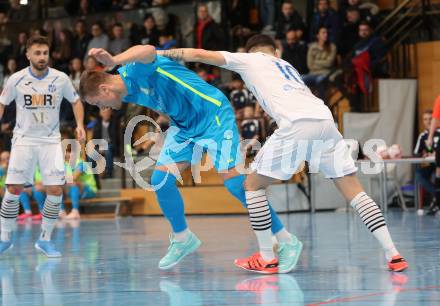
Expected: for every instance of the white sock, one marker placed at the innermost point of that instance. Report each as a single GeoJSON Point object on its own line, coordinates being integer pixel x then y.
{"type": "Point", "coordinates": [259, 216]}
{"type": "Point", "coordinates": [8, 213]}
{"type": "Point", "coordinates": [50, 215]}
{"type": "Point", "coordinates": [181, 236]}
{"type": "Point", "coordinates": [283, 236]}
{"type": "Point", "coordinates": [373, 218]}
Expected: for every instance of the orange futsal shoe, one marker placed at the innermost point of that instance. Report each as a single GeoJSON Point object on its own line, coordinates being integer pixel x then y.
{"type": "Point", "coordinates": [256, 263]}
{"type": "Point", "coordinates": [397, 264]}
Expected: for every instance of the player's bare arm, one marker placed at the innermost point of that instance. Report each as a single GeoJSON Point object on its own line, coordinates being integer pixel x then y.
{"type": "Point", "coordinates": [2, 110]}
{"type": "Point", "coordinates": [195, 55]}
{"type": "Point", "coordinates": [140, 53]}
{"type": "Point", "coordinates": [78, 111]}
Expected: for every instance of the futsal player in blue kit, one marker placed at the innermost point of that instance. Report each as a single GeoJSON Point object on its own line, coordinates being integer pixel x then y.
{"type": "Point", "coordinates": [200, 113]}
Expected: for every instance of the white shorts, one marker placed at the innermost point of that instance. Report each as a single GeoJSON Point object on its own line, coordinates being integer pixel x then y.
{"type": "Point", "coordinates": [316, 141]}
{"type": "Point", "coordinates": [25, 158]}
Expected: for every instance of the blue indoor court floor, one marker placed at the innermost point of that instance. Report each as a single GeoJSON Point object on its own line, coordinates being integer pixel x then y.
{"type": "Point", "coordinates": [114, 262]}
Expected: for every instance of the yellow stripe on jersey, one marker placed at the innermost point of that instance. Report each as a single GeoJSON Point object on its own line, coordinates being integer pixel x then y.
{"type": "Point", "coordinates": [218, 120]}
{"type": "Point", "coordinates": [177, 80]}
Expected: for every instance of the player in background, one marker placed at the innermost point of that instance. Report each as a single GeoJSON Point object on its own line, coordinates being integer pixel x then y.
{"type": "Point", "coordinates": [38, 91]}
{"type": "Point", "coordinates": [200, 114]}
{"type": "Point", "coordinates": [301, 117]}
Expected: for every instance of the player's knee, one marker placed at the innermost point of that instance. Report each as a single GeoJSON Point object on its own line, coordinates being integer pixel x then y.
{"type": "Point", "coordinates": [54, 190]}
{"type": "Point", "coordinates": [15, 189]}
{"type": "Point", "coordinates": [161, 180]}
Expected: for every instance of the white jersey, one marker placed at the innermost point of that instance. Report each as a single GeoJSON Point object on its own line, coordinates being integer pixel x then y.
{"type": "Point", "coordinates": [277, 86]}
{"type": "Point", "coordinates": [38, 103]}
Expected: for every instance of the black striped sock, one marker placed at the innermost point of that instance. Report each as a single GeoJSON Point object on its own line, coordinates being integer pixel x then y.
{"type": "Point", "coordinates": [10, 206]}
{"type": "Point", "coordinates": [50, 215]}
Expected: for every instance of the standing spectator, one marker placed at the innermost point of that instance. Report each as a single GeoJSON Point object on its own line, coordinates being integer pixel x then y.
{"type": "Point", "coordinates": [149, 34]}
{"type": "Point", "coordinates": [294, 51]}
{"type": "Point", "coordinates": [288, 19]}
{"type": "Point", "coordinates": [325, 17]}
{"type": "Point", "coordinates": [81, 39]}
{"type": "Point", "coordinates": [350, 31]}
{"type": "Point", "coordinates": [119, 43]}
{"type": "Point", "coordinates": [106, 128]}
{"type": "Point", "coordinates": [166, 41]}
{"type": "Point", "coordinates": [63, 52]}
{"type": "Point", "coordinates": [320, 60]}
{"type": "Point", "coordinates": [238, 13]}
{"type": "Point", "coordinates": [208, 33]}
{"type": "Point", "coordinates": [435, 124]}
{"type": "Point", "coordinates": [375, 47]}
{"type": "Point", "coordinates": [11, 68]}
{"type": "Point", "coordinates": [99, 40]}
{"type": "Point", "coordinates": [76, 69]}
{"type": "Point", "coordinates": [250, 128]}
{"type": "Point", "coordinates": [266, 9]}
{"type": "Point", "coordinates": [20, 51]}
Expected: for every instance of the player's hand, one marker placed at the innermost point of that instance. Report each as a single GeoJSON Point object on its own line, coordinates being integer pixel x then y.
{"type": "Point", "coordinates": [102, 56]}
{"type": "Point", "coordinates": [81, 133]}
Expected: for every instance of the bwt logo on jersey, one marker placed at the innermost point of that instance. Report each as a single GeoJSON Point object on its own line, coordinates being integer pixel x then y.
{"type": "Point", "coordinates": [38, 101]}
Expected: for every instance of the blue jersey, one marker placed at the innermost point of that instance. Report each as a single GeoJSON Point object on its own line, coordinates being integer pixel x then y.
{"type": "Point", "coordinates": [172, 89]}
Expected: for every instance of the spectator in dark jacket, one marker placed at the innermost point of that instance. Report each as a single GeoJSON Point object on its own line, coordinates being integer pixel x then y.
{"type": "Point", "coordinates": [350, 31]}
{"type": "Point", "coordinates": [149, 34]}
{"type": "Point", "coordinates": [106, 128]}
{"type": "Point", "coordinates": [81, 39]}
{"type": "Point", "coordinates": [375, 47]}
{"type": "Point", "coordinates": [288, 19]}
{"type": "Point", "coordinates": [325, 17]}
{"type": "Point", "coordinates": [20, 51]}
{"type": "Point", "coordinates": [208, 34]}
{"type": "Point", "coordinates": [294, 51]}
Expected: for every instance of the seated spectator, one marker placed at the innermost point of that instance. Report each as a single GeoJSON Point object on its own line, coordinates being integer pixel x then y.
{"type": "Point", "coordinates": [204, 73]}
{"type": "Point", "coordinates": [93, 65]}
{"type": "Point", "coordinates": [250, 128]}
{"type": "Point", "coordinates": [131, 5]}
{"type": "Point", "coordinates": [425, 175]}
{"type": "Point", "coordinates": [208, 34]}
{"type": "Point", "coordinates": [119, 43]}
{"type": "Point", "coordinates": [320, 60]}
{"type": "Point", "coordinates": [99, 38]}
{"type": "Point", "coordinates": [325, 17]}
{"type": "Point", "coordinates": [7, 126]}
{"type": "Point", "coordinates": [166, 41]}
{"type": "Point", "coordinates": [4, 163]}
{"type": "Point", "coordinates": [288, 19]}
{"type": "Point", "coordinates": [81, 39]}
{"type": "Point", "coordinates": [81, 184]}
{"type": "Point", "coordinates": [149, 34]}
{"type": "Point", "coordinates": [106, 127]}
{"type": "Point", "coordinates": [350, 31]}
{"type": "Point", "coordinates": [367, 10]}
{"type": "Point", "coordinates": [294, 51]}
{"type": "Point", "coordinates": [239, 97]}
{"type": "Point", "coordinates": [375, 47]}
{"type": "Point", "coordinates": [76, 69]}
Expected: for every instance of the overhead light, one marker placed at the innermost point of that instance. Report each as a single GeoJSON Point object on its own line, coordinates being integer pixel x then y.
{"type": "Point", "coordinates": [24, 2]}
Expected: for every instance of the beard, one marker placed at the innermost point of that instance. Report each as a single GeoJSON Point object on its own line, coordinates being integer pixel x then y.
{"type": "Point", "coordinates": [40, 66]}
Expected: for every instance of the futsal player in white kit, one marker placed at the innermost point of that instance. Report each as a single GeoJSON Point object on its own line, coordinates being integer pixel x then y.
{"type": "Point", "coordinates": [38, 91]}
{"type": "Point", "coordinates": [306, 132]}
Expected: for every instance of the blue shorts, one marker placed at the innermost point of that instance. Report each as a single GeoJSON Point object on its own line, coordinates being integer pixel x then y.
{"type": "Point", "coordinates": [220, 139]}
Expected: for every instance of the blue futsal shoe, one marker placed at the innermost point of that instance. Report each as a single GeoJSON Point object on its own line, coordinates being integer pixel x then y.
{"type": "Point", "coordinates": [178, 250]}
{"type": "Point", "coordinates": [47, 248]}
{"type": "Point", "coordinates": [288, 255]}
{"type": "Point", "coordinates": [5, 246]}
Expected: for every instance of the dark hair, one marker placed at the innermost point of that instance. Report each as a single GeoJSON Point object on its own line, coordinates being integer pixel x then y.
{"type": "Point", "coordinates": [90, 81]}
{"type": "Point", "coordinates": [260, 40]}
{"type": "Point", "coordinates": [148, 16]}
{"type": "Point", "coordinates": [327, 45]}
{"type": "Point", "coordinates": [287, 2]}
{"type": "Point", "coordinates": [428, 111]}
{"type": "Point", "coordinates": [364, 22]}
{"type": "Point", "coordinates": [118, 24]}
{"type": "Point", "coordinates": [352, 9]}
{"type": "Point", "coordinates": [37, 40]}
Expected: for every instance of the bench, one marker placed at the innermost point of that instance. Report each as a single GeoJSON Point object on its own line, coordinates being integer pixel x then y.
{"type": "Point", "coordinates": [126, 200]}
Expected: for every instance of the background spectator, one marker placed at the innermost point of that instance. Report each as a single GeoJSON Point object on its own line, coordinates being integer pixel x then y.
{"type": "Point", "coordinates": [63, 52]}
{"type": "Point", "coordinates": [76, 69]}
{"type": "Point", "coordinates": [374, 46]}
{"type": "Point", "coordinates": [250, 128]}
{"type": "Point", "coordinates": [99, 38]}
{"type": "Point", "coordinates": [149, 35]}
{"type": "Point", "coordinates": [325, 17]}
{"type": "Point", "coordinates": [350, 31]}
{"type": "Point", "coordinates": [11, 68]}
{"type": "Point", "coordinates": [19, 52]}
{"type": "Point", "coordinates": [320, 60]}
{"type": "Point", "coordinates": [294, 51]}
{"type": "Point", "coordinates": [208, 34]}
{"type": "Point", "coordinates": [288, 19]}
{"type": "Point", "coordinates": [81, 39]}
{"type": "Point", "coordinates": [119, 43]}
